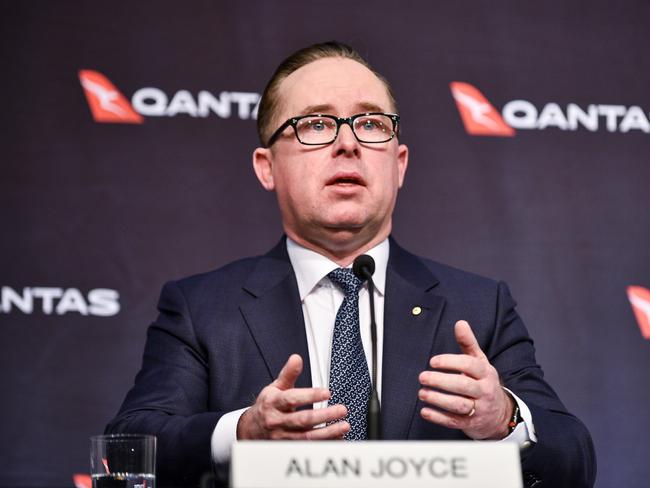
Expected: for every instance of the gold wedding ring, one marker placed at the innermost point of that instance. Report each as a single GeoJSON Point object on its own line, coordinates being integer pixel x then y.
{"type": "Point", "coordinates": [473, 410]}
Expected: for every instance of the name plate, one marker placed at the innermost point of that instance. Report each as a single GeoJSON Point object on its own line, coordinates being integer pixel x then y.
{"type": "Point", "coordinates": [375, 464]}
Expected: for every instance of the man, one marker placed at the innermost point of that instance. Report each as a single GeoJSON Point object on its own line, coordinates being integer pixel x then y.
{"type": "Point", "coordinates": [244, 352]}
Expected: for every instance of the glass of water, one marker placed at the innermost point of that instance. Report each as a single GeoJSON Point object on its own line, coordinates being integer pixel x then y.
{"type": "Point", "coordinates": [123, 461]}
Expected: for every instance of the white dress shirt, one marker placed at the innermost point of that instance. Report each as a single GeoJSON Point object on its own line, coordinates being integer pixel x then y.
{"type": "Point", "coordinates": [321, 300]}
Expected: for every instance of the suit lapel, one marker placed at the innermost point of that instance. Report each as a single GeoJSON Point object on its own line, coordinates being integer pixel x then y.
{"type": "Point", "coordinates": [273, 313]}
{"type": "Point", "coordinates": [408, 337]}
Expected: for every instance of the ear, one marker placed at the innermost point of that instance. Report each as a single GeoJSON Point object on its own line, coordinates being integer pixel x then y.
{"type": "Point", "coordinates": [263, 166]}
{"type": "Point", "coordinates": [402, 162]}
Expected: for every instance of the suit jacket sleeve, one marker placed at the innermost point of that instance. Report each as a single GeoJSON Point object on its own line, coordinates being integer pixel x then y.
{"type": "Point", "coordinates": [564, 454]}
{"type": "Point", "coordinates": [170, 395]}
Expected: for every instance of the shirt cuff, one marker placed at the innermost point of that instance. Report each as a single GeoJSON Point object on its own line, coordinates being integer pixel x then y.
{"type": "Point", "coordinates": [224, 436]}
{"type": "Point", "coordinates": [524, 433]}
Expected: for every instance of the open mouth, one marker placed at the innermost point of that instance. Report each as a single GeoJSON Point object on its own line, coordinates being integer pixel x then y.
{"type": "Point", "coordinates": [346, 179]}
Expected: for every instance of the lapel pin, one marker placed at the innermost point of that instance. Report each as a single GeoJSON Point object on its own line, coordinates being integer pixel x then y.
{"type": "Point", "coordinates": [416, 310]}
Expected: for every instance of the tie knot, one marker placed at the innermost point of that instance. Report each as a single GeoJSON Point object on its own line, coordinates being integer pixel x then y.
{"type": "Point", "coordinates": [345, 279]}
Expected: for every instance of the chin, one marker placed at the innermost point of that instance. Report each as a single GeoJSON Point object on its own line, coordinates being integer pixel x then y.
{"type": "Point", "coordinates": [352, 226]}
{"type": "Point", "coordinates": [350, 218]}
{"type": "Point", "coordinates": [345, 232]}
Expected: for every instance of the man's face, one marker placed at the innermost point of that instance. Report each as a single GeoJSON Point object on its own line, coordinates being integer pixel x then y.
{"type": "Point", "coordinates": [341, 195]}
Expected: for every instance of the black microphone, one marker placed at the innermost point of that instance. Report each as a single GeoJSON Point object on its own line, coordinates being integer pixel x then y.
{"type": "Point", "coordinates": [363, 268]}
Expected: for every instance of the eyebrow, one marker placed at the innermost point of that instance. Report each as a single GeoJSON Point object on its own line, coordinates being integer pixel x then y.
{"type": "Point", "coordinates": [328, 108]}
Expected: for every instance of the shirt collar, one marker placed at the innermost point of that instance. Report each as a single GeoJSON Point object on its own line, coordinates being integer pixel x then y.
{"type": "Point", "coordinates": [310, 267]}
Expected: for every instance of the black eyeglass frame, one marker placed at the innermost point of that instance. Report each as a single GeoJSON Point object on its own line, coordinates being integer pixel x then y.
{"type": "Point", "coordinates": [293, 122]}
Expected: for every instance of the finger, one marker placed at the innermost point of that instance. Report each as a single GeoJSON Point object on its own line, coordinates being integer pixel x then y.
{"type": "Point", "coordinates": [289, 373]}
{"type": "Point", "coordinates": [297, 397]}
{"type": "Point", "coordinates": [450, 403]}
{"type": "Point", "coordinates": [308, 419]}
{"type": "Point", "coordinates": [466, 340]}
{"type": "Point", "coordinates": [332, 431]}
{"type": "Point", "coordinates": [449, 420]}
{"type": "Point", "coordinates": [462, 363]}
{"type": "Point", "coordinates": [451, 383]}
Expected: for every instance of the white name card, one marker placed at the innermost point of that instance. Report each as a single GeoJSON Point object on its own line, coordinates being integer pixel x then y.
{"type": "Point", "coordinates": [375, 464]}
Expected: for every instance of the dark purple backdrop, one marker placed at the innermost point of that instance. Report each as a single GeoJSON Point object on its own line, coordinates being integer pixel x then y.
{"type": "Point", "coordinates": [562, 215]}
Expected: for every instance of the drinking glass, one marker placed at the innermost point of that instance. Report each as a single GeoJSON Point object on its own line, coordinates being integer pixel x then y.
{"type": "Point", "coordinates": [123, 461]}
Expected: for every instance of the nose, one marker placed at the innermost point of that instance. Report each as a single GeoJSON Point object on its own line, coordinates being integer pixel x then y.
{"type": "Point", "coordinates": [346, 142]}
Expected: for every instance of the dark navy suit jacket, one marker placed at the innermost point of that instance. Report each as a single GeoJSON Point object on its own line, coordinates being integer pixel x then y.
{"type": "Point", "coordinates": [222, 336]}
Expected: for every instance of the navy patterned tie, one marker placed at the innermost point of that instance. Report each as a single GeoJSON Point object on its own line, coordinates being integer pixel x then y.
{"type": "Point", "coordinates": [349, 377]}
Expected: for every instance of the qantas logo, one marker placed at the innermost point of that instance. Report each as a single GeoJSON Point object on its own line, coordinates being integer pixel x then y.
{"type": "Point", "coordinates": [640, 300]}
{"type": "Point", "coordinates": [481, 118]}
{"type": "Point", "coordinates": [106, 102]}
{"type": "Point", "coordinates": [100, 302]}
{"type": "Point", "coordinates": [109, 105]}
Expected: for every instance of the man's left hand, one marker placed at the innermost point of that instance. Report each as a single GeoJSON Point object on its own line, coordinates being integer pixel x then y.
{"type": "Point", "coordinates": [473, 400]}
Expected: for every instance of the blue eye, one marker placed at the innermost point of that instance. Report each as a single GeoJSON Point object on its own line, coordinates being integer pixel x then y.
{"type": "Point", "coordinates": [318, 125]}
{"type": "Point", "coordinates": [315, 125]}
{"type": "Point", "coordinates": [369, 124]}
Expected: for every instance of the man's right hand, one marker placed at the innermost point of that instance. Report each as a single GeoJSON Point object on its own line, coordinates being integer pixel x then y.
{"type": "Point", "coordinates": [274, 415]}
